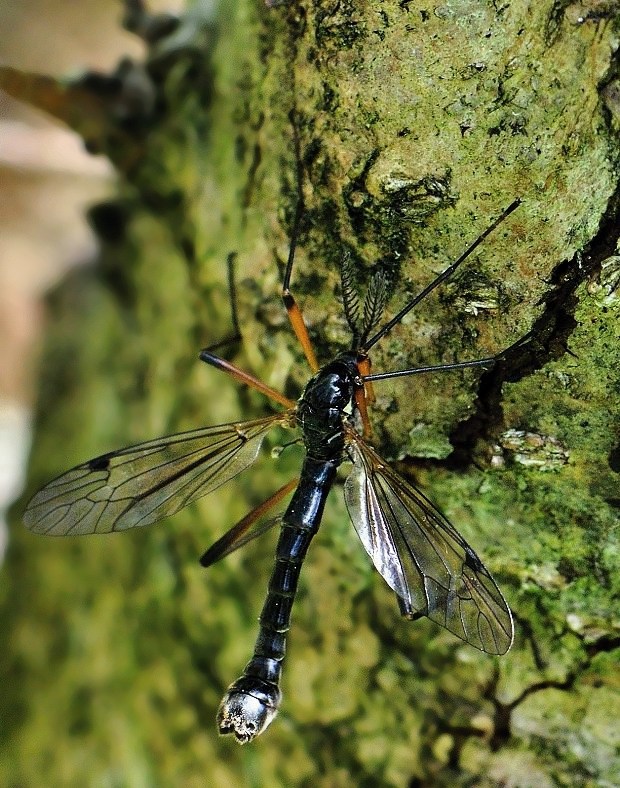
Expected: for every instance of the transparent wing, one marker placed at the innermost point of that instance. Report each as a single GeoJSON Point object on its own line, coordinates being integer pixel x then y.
{"type": "Point", "coordinates": [142, 484]}
{"type": "Point", "coordinates": [428, 564]}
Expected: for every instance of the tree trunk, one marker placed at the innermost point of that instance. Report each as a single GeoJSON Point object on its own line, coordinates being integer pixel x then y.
{"type": "Point", "coordinates": [411, 127]}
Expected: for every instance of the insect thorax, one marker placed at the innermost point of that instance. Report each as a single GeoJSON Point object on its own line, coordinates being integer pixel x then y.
{"type": "Point", "coordinates": [322, 408]}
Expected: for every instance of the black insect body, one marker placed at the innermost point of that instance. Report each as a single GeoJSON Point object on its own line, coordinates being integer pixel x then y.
{"type": "Point", "coordinates": [252, 701]}
{"type": "Point", "coordinates": [430, 567]}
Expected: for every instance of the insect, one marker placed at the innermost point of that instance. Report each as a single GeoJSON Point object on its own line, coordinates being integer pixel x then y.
{"type": "Point", "coordinates": [421, 556]}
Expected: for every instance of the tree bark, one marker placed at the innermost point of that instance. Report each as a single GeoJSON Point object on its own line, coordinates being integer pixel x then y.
{"type": "Point", "coordinates": [411, 127]}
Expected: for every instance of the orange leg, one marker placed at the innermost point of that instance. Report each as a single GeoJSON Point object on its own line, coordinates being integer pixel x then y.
{"type": "Point", "coordinates": [364, 365]}
{"type": "Point", "coordinates": [299, 327]}
{"type": "Point", "coordinates": [361, 400]}
{"type": "Point", "coordinates": [246, 378]}
{"type": "Point", "coordinates": [292, 308]}
{"type": "Point", "coordinates": [240, 534]}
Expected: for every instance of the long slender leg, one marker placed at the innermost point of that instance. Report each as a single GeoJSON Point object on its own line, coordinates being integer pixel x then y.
{"type": "Point", "coordinates": [364, 367]}
{"type": "Point", "coordinates": [246, 378]}
{"type": "Point", "coordinates": [290, 304]}
{"type": "Point", "coordinates": [240, 534]}
{"type": "Point", "coordinates": [232, 293]}
{"type": "Point", "coordinates": [403, 373]}
{"type": "Point", "coordinates": [442, 277]}
{"type": "Point", "coordinates": [481, 362]}
{"type": "Point", "coordinates": [292, 308]}
{"type": "Point", "coordinates": [362, 406]}
{"type": "Point", "coordinates": [363, 395]}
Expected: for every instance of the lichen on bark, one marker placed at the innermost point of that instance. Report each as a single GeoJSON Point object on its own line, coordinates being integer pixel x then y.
{"type": "Point", "coordinates": [413, 125]}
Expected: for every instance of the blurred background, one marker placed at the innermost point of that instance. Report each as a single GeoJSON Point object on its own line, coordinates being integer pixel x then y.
{"type": "Point", "coordinates": [47, 182]}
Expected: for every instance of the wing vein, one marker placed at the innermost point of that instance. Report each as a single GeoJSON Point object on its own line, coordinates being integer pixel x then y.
{"type": "Point", "coordinates": [421, 556]}
{"type": "Point", "coordinates": [139, 485]}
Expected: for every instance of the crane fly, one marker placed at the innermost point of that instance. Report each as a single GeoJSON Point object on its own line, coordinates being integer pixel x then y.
{"type": "Point", "coordinates": [422, 557]}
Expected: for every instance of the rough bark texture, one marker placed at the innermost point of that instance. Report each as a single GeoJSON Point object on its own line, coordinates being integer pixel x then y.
{"type": "Point", "coordinates": [414, 124]}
